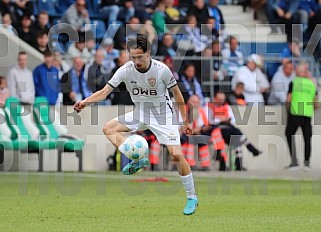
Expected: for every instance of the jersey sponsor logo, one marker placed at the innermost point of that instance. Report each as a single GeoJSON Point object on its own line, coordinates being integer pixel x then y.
{"type": "Point", "coordinates": [172, 136]}
{"type": "Point", "coordinates": [146, 92]}
{"type": "Point", "coordinates": [151, 81]}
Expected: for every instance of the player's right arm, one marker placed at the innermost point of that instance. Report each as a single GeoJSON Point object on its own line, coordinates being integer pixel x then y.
{"type": "Point", "coordinates": [100, 95]}
{"type": "Point", "coordinates": [95, 97]}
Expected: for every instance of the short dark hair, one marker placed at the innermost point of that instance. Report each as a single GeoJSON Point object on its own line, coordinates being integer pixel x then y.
{"type": "Point", "coordinates": [22, 53]}
{"type": "Point", "coordinates": [140, 42]}
{"type": "Point", "coordinates": [47, 53]}
{"type": "Point", "coordinates": [41, 33]}
{"type": "Point", "coordinates": [219, 92]}
{"type": "Point", "coordinates": [239, 84]}
{"type": "Point", "coordinates": [2, 78]}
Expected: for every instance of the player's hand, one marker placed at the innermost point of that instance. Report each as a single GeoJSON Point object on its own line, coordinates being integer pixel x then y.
{"type": "Point", "coordinates": [79, 106]}
{"type": "Point", "coordinates": [188, 129]}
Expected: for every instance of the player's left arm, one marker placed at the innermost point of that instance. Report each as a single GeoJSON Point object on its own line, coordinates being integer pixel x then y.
{"type": "Point", "coordinates": [177, 94]}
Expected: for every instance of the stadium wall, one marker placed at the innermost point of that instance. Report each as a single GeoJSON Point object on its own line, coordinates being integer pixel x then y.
{"type": "Point", "coordinates": [264, 126]}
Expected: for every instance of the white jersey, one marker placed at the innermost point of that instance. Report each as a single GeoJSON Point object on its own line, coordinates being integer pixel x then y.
{"type": "Point", "coordinates": [149, 89]}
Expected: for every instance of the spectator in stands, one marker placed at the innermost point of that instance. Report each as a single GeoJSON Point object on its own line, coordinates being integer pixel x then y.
{"type": "Point", "coordinates": [192, 36]}
{"type": "Point", "coordinates": [25, 31]}
{"type": "Point", "coordinates": [221, 115]}
{"type": "Point", "coordinates": [248, 75]}
{"type": "Point", "coordinates": [236, 97]}
{"type": "Point", "coordinates": [23, 7]}
{"type": "Point", "coordinates": [143, 9]}
{"type": "Point", "coordinates": [216, 13]}
{"type": "Point", "coordinates": [169, 62]}
{"type": "Point", "coordinates": [200, 11]}
{"type": "Point", "coordinates": [111, 55]}
{"type": "Point", "coordinates": [210, 31]}
{"type": "Point", "coordinates": [79, 49]}
{"type": "Point", "coordinates": [91, 44]}
{"type": "Point", "coordinates": [127, 30]}
{"type": "Point", "coordinates": [46, 79]}
{"type": "Point", "coordinates": [60, 64]}
{"type": "Point", "coordinates": [292, 50]}
{"type": "Point", "coordinates": [302, 101]}
{"type": "Point", "coordinates": [77, 15]}
{"type": "Point", "coordinates": [7, 24]}
{"type": "Point", "coordinates": [6, 7]}
{"type": "Point", "coordinates": [282, 12]}
{"type": "Point", "coordinates": [97, 75]}
{"type": "Point", "coordinates": [148, 29]}
{"type": "Point", "coordinates": [120, 95]}
{"type": "Point", "coordinates": [110, 9]}
{"type": "Point", "coordinates": [173, 16]}
{"type": "Point", "coordinates": [257, 5]}
{"type": "Point", "coordinates": [4, 91]}
{"type": "Point", "coordinates": [262, 80]}
{"type": "Point", "coordinates": [189, 84]}
{"type": "Point", "coordinates": [167, 46]}
{"type": "Point", "coordinates": [232, 57]}
{"type": "Point", "coordinates": [126, 11]}
{"type": "Point", "coordinates": [307, 9]}
{"type": "Point", "coordinates": [198, 118]}
{"type": "Point", "coordinates": [158, 19]}
{"type": "Point", "coordinates": [42, 41]}
{"type": "Point", "coordinates": [20, 80]}
{"type": "Point", "coordinates": [280, 84]}
{"type": "Point", "coordinates": [42, 23]}
{"type": "Point", "coordinates": [73, 84]}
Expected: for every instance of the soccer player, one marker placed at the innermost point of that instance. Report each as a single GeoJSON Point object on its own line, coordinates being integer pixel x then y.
{"type": "Point", "coordinates": [148, 81]}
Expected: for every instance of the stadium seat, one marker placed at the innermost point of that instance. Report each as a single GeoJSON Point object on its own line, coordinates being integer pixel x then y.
{"type": "Point", "coordinates": [20, 122]}
{"type": "Point", "coordinates": [7, 140]}
{"type": "Point", "coordinates": [52, 129]}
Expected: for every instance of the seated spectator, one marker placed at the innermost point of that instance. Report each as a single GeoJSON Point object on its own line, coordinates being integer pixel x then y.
{"type": "Point", "coordinates": [20, 80]}
{"type": "Point", "coordinates": [281, 12]}
{"type": "Point", "coordinates": [280, 84]}
{"type": "Point", "coordinates": [25, 31]}
{"type": "Point", "coordinates": [6, 7]}
{"type": "Point", "coordinates": [97, 74]}
{"type": "Point", "coordinates": [232, 57]}
{"type": "Point", "coordinates": [247, 74]}
{"type": "Point", "coordinates": [4, 91]}
{"type": "Point", "coordinates": [167, 46]}
{"type": "Point", "coordinates": [110, 10]}
{"type": "Point", "coordinates": [216, 13]}
{"type": "Point", "coordinates": [262, 80]}
{"type": "Point", "coordinates": [77, 15]}
{"type": "Point", "coordinates": [158, 19]}
{"type": "Point", "coordinates": [42, 22]}
{"type": "Point", "coordinates": [46, 79]}
{"type": "Point", "coordinates": [221, 115]}
{"type": "Point", "coordinates": [120, 95]}
{"type": "Point", "coordinates": [143, 9]}
{"type": "Point", "coordinates": [127, 30]}
{"type": "Point", "coordinates": [257, 5]}
{"type": "Point", "coordinates": [189, 84]}
{"type": "Point", "coordinates": [200, 11]}
{"type": "Point", "coordinates": [23, 7]}
{"type": "Point", "coordinates": [7, 24]}
{"type": "Point", "coordinates": [42, 41]}
{"type": "Point", "coordinates": [73, 84]}
{"type": "Point", "coordinates": [126, 11]}
{"type": "Point", "coordinates": [192, 36]}
{"type": "Point", "coordinates": [236, 97]}
{"type": "Point", "coordinates": [79, 49]}
{"type": "Point", "coordinates": [173, 17]}
{"type": "Point", "coordinates": [169, 62]}
{"type": "Point", "coordinates": [210, 31]}
{"type": "Point", "coordinates": [110, 55]}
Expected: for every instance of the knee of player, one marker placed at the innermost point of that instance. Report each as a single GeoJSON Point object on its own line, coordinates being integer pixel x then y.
{"type": "Point", "coordinates": [108, 130]}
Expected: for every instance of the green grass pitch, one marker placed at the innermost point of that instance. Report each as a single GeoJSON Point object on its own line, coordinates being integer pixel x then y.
{"type": "Point", "coordinates": [113, 202]}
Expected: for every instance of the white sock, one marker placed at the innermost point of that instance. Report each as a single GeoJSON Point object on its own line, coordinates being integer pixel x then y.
{"type": "Point", "coordinates": [188, 183]}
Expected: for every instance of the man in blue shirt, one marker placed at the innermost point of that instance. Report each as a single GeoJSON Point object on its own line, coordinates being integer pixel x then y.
{"type": "Point", "coordinates": [46, 80]}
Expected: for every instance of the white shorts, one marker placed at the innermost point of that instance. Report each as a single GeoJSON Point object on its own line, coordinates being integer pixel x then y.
{"type": "Point", "coordinates": [165, 128]}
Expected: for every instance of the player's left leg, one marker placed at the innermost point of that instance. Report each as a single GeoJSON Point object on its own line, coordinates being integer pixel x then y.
{"type": "Point", "coordinates": [185, 172]}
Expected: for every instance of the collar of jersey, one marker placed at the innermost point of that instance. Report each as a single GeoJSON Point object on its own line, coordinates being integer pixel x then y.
{"type": "Point", "coordinates": [150, 65]}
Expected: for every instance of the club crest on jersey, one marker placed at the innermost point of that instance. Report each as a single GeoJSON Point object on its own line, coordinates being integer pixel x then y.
{"type": "Point", "coordinates": [151, 81]}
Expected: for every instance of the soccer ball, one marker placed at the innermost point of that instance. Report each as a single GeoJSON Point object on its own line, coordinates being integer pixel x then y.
{"type": "Point", "coordinates": [135, 147]}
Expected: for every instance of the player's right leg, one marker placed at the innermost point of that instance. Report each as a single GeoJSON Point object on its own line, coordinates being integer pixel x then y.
{"type": "Point", "coordinates": [113, 131]}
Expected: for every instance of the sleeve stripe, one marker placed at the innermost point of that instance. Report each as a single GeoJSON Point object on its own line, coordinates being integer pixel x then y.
{"type": "Point", "coordinates": [172, 86]}
{"type": "Point", "coordinates": [111, 85]}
